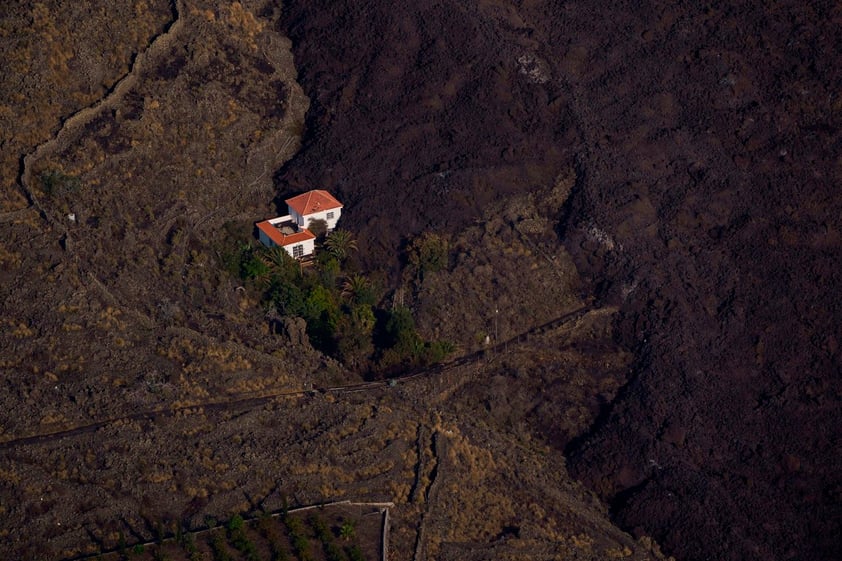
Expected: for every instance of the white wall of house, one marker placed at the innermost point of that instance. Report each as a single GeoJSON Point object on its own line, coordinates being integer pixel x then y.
{"type": "Point", "coordinates": [329, 216]}
{"type": "Point", "coordinates": [307, 247]}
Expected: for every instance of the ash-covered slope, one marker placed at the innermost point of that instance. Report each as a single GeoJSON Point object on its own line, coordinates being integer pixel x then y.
{"type": "Point", "coordinates": [707, 143]}
{"type": "Point", "coordinates": [422, 114]}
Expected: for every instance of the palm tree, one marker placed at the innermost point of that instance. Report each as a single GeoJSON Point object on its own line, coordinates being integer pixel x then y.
{"type": "Point", "coordinates": [277, 261]}
{"type": "Point", "coordinates": [340, 243]}
{"type": "Point", "coordinates": [348, 530]}
{"type": "Point", "coordinates": [354, 286]}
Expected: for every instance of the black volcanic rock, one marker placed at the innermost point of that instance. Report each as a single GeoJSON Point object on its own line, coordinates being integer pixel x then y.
{"type": "Point", "coordinates": [424, 113]}
{"type": "Point", "coordinates": [707, 142]}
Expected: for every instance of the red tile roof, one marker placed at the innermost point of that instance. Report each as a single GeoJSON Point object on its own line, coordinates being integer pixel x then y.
{"type": "Point", "coordinates": [317, 200]}
{"type": "Point", "coordinates": [284, 239]}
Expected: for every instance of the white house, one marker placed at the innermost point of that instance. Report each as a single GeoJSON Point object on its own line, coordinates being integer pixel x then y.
{"type": "Point", "coordinates": [285, 232]}
{"type": "Point", "coordinates": [290, 231]}
{"type": "Point", "coordinates": [315, 205]}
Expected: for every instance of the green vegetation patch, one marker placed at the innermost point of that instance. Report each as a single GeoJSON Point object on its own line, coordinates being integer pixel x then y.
{"type": "Point", "coordinates": [345, 310]}
{"type": "Point", "coordinates": [326, 534]}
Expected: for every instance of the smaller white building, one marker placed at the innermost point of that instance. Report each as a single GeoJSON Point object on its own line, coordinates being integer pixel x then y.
{"type": "Point", "coordinates": [315, 205]}
{"type": "Point", "coordinates": [285, 232]}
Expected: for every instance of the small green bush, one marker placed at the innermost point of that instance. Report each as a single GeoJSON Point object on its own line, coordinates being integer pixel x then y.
{"type": "Point", "coordinates": [428, 253]}
{"type": "Point", "coordinates": [55, 182]}
{"type": "Point", "coordinates": [354, 553]}
{"type": "Point", "coordinates": [236, 523]}
{"type": "Point", "coordinates": [320, 528]}
{"type": "Point", "coordinates": [219, 547]}
{"type": "Point", "coordinates": [347, 530]}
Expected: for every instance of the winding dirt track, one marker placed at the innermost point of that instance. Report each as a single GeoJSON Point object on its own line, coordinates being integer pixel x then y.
{"type": "Point", "coordinates": [248, 403]}
{"type": "Point", "coordinates": [73, 124]}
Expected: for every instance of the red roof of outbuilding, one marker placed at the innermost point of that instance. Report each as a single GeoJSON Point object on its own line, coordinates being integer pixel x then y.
{"type": "Point", "coordinates": [317, 200]}
{"type": "Point", "coordinates": [284, 239]}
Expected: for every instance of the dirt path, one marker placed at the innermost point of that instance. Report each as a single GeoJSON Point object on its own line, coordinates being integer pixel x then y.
{"type": "Point", "coordinates": [73, 124]}
{"type": "Point", "coordinates": [251, 402]}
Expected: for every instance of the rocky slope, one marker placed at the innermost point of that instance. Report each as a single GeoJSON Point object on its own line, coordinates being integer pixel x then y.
{"type": "Point", "coordinates": [706, 141]}
{"type": "Point", "coordinates": [700, 146]}
{"type": "Point", "coordinates": [142, 385]}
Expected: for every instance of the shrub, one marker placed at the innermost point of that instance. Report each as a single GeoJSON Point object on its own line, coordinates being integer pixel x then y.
{"type": "Point", "coordinates": [437, 351]}
{"type": "Point", "coordinates": [428, 253]}
{"type": "Point", "coordinates": [301, 546]}
{"type": "Point", "coordinates": [236, 523]}
{"type": "Point", "coordinates": [188, 542]}
{"type": "Point", "coordinates": [300, 543]}
{"type": "Point", "coordinates": [320, 528]}
{"type": "Point", "coordinates": [333, 552]}
{"type": "Point", "coordinates": [219, 548]}
{"type": "Point", "coordinates": [347, 530]}
{"type": "Point", "coordinates": [278, 552]}
{"type": "Point", "coordinates": [354, 553]}
{"type": "Point", "coordinates": [56, 182]}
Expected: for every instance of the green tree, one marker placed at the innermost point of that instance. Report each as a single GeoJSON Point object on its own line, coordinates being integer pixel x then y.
{"type": "Point", "coordinates": [359, 290]}
{"type": "Point", "coordinates": [400, 328]}
{"type": "Point", "coordinates": [354, 553]}
{"type": "Point", "coordinates": [329, 270]}
{"type": "Point", "coordinates": [437, 351]}
{"type": "Point", "coordinates": [317, 227]}
{"type": "Point", "coordinates": [321, 313]}
{"type": "Point", "coordinates": [298, 538]}
{"type": "Point", "coordinates": [219, 547]}
{"type": "Point", "coordinates": [428, 253]}
{"type": "Point", "coordinates": [279, 264]}
{"type": "Point", "coordinates": [288, 297]}
{"type": "Point", "coordinates": [353, 336]}
{"type": "Point", "coordinates": [236, 523]}
{"type": "Point", "coordinates": [250, 266]}
{"type": "Point", "coordinates": [340, 244]}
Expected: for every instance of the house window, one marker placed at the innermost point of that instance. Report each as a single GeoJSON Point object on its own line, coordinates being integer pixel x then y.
{"type": "Point", "coordinates": [330, 216]}
{"type": "Point", "coordinates": [298, 251]}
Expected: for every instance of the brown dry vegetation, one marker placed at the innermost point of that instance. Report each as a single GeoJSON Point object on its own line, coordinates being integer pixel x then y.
{"type": "Point", "coordinates": [54, 65]}
{"type": "Point", "coordinates": [119, 317]}
{"type": "Point", "coordinates": [127, 257]}
{"type": "Point", "coordinates": [508, 272]}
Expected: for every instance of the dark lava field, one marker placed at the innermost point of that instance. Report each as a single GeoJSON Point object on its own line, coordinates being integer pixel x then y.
{"type": "Point", "coordinates": [707, 146]}
{"type": "Point", "coordinates": [637, 202]}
